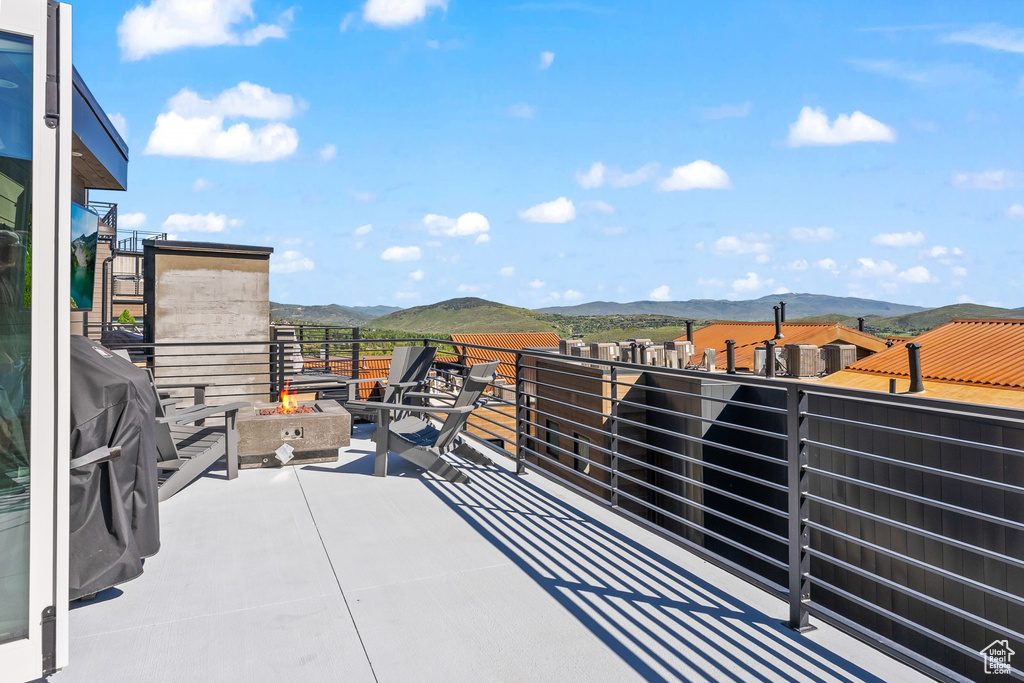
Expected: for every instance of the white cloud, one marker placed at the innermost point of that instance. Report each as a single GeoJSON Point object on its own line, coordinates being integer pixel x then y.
{"type": "Point", "coordinates": [871, 268]}
{"type": "Point", "coordinates": [710, 282]}
{"type": "Point", "coordinates": [660, 293]}
{"type": "Point", "coordinates": [572, 295]}
{"type": "Point", "coordinates": [699, 175]}
{"type": "Point", "coordinates": [726, 111]}
{"type": "Point", "coordinates": [560, 210]}
{"type": "Point", "coordinates": [508, 271]}
{"type": "Point", "coordinates": [401, 254]}
{"type": "Point", "coordinates": [201, 184]}
{"type": "Point", "coordinates": [482, 238]}
{"type": "Point", "coordinates": [120, 123]}
{"type": "Point", "coordinates": [827, 264]}
{"type": "Point", "coordinates": [290, 262]}
{"type": "Point", "coordinates": [988, 180]}
{"type": "Point", "coordinates": [813, 128]}
{"type": "Point", "coordinates": [522, 111]}
{"type": "Point", "coordinates": [328, 152]}
{"type": "Point", "coordinates": [244, 100]}
{"type": "Point", "coordinates": [916, 275]}
{"type": "Point", "coordinates": [752, 283]}
{"type": "Point", "coordinates": [799, 264]}
{"type": "Point", "coordinates": [363, 230]}
{"type": "Point", "coordinates": [1016, 212]}
{"type": "Point", "coordinates": [592, 178]}
{"type": "Point", "coordinates": [407, 295]}
{"type": "Point", "coordinates": [194, 127]}
{"type": "Point", "coordinates": [417, 275]}
{"type": "Point", "coordinates": [166, 25]}
{"type": "Point", "coordinates": [750, 243]}
{"type": "Point", "coordinates": [468, 289]}
{"type": "Point", "coordinates": [471, 223]}
{"type": "Point", "coordinates": [211, 222]}
{"type": "Point", "coordinates": [646, 172]}
{"type": "Point", "coordinates": [363, 197]}
{"type": "Point", "coordinates": [546, 58]}
{"type": "Point", "coordinates": [937, 251]}
{"type": "Point", "coordinates": [433, 44]}
{"type": "Point", "coordinates": [130, 221]}
{"type": "Point", "coordinates": [396, 13]}
{"type": "Point", "coordinates": [898, 239]}
{"type": "Point", "coordinates": [536, 284]}
{"type": "Point", "coordinates": [614, 230]}
{"type": "Point", "coordinates": [959, 271]}
{"type": "Point", "coordinates": [927, 74]}
{"type": "Point", "coordinates": [964, 299]}
{"type": "Point", "coordinates": [346, 21]}
{"type": "Point", "coordinates": [991, 36]}
{"type": "Point", "coordinates": [597, 206]}
{"type": "Point", "coordinates": [812, 234]}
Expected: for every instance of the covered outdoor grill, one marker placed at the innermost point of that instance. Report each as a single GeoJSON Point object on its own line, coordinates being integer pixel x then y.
{"type": "Point", "coordinates": [114, 513]}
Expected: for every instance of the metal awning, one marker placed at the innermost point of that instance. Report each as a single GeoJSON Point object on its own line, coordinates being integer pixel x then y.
{"type": "Point", "coordinates": [103, 163]}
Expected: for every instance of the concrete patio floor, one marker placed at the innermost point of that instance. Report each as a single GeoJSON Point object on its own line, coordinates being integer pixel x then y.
{"type": "Point", "coordinates": [326, 573]}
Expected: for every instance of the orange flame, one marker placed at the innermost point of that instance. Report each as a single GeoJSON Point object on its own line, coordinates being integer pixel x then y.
{"type": "Point", "coordinates": [288, 402]}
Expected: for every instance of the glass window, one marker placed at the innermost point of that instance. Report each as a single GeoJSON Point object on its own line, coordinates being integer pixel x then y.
{"type": "Point", "coordinates": [551, 437]}
{"type": "Point", "coordinates": [581, 447]}
{"type": "Point", "coordinates": [15, 329]}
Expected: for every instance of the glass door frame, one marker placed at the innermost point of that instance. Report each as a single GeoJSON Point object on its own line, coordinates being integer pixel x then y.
{"type": "Point", "coordinates": [46, 647]}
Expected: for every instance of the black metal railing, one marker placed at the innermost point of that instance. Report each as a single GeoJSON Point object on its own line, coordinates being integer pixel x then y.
{"type": "Point", "coordinates": [131, 240]}
{"type": "Point", "coordinates": [107, 212]}
{"type": "Point", "coordinates": [899, 519]}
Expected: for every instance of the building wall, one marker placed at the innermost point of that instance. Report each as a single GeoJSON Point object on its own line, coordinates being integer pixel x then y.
{"type": "Point", "coordinates": [201, 292]}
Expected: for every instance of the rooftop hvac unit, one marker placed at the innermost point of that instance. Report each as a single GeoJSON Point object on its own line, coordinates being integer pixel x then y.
{"type": "Point", "coordinates": [838, 356]}
{"type": "Point", "coordinates": [564, 345]}
{"type": "Point", "coordinates": [644, 342]}
{"type": "Point", "coordinates": [759, 355]}
{"type": "Point", "coordinates": [708, 360]}
{"type": "Point", "coordinates": [684, 349]}
{"type": "Point", "coordinates": [802, 360]}
{"type": "Point", "coordinates": [604, 351]}
{"type": "Point", "coordinates": [580, 351]}
{"type": "Point", "coordinates": [671, 358]}
{"type": "Point", "coordinates": [655, 355]}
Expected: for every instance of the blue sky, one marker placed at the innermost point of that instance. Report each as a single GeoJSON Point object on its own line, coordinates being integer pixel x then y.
{"type": "Point", "coordinates": [551, 152]}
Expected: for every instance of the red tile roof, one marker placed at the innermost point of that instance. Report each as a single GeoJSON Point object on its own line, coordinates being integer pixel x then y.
{"type": "Point", "coordinates": [507, 364]}
{"type": "Point", "coordinates": [750, 335]}
{"type": "Point", "coordinates": [971, 352]}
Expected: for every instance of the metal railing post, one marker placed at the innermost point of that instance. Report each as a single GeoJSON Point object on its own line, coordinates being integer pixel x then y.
{"type": "Point", "coordinates": [614, 393]}
{"type": "Point", "coordinates": [355, 353]}
{"type": "Point", "coordinates": [521, 416]}
{"type": "Point", "coordinates": [798, 508]}
{"type": "Point", "coordinates": [280, 372]}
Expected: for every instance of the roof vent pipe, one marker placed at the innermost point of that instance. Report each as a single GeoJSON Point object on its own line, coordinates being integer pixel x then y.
{"type": "Point", "coordinates": [778, 323]}
{"type": "Point", "coordinates": [634, 352]}
{"type": "Point", "coordinates": [916, 377]}
{"type": "Point", "coordinates": [689, 331]}
{"type": "Point", "coordinates": [769, 357]}
{"type": "Point", "coordinates": [860, 324]}
{"type": "Point", "coordinates": [730, 356]}
{"type": "Point", "coordinates": [782, 305]}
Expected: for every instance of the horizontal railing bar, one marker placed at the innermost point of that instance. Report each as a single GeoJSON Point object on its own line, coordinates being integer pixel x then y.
{"type": "Point", "coordinates": [919, 499]}
{"type": "Point", "coordinates": [889, 614]}
{"type": "Point", "coordinates": [910, 592]}
{"type": "Point", "coordinates": [916, 402]}
{"type": "Point", "coordinates": [704, 530]}
{"type": "Point", "coordinates": [909, 528]}
{"type": "Point", "coordinates": [697, 418]}
{"type": "Point", "coordinates": [704, 508]}
{"type": "Point", "coordinates": [966, 478]}
{"type": "Point", "coordinates": [571, 470]}
{"type": "Point", "coordinates": [706, 487]}
{"type": "Point", "coordinates": [953, 576]}
{"type": "Point", "coordinates": [953, 441]}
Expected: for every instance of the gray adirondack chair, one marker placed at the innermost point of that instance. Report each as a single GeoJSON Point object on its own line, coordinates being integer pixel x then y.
{"type": "Point", "coordinates": [187, 447]}
{"type": "Point", "coordinates": [408, 372]}
{"type": "Point", "coordinates": [414, 437]}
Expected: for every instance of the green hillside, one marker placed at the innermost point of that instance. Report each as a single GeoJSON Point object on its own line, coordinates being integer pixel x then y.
{"type": "Point", "coordinates": [466, 315]}
{"type": "Point", "coordinates": [332, 314]}
{"type": "Point", "coordinates": [916, 323]}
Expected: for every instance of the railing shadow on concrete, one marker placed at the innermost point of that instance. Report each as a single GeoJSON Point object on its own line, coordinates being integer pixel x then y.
{"type": "Point", "coordinates": [665, 621]}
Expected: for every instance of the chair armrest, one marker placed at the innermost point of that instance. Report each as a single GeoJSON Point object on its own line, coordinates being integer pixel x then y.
{"type": "Point", "coordinates": [201, 414]}
{"type": "Point", "coordinates": [421, 394]}
{"type": "Point", "coordinates": [192, 385]}
{"type": "Point", "coordinates": [101, 454]}
{"type": "Point", "coordinates": [401, 407]}
{"type": "Point", "coordinates": [404, 384]}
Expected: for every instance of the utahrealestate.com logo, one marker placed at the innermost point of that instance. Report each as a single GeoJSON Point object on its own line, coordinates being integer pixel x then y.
{"type": "Point", "coordinates": [997, 657]}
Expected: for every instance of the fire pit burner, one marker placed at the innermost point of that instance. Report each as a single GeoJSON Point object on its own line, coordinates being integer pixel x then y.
{"type": "Point", "coordinates": [294, 411]}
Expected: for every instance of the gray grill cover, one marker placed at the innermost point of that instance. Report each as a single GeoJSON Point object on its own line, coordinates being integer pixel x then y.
{"type": "Point", "coordinates": [114, 506]}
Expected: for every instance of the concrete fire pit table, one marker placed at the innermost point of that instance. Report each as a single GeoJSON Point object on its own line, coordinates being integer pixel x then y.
{"type": "Point", "coordinates": [316, 433]}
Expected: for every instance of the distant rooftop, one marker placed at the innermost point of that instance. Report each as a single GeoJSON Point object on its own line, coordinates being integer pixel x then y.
{"type": "Point", "coordinates": [750, 335]}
